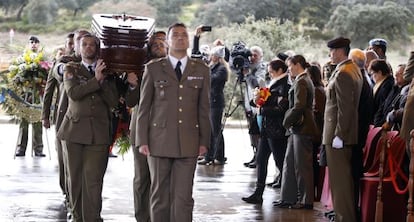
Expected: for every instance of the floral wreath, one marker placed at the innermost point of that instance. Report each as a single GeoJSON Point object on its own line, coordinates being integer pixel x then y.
{"type": "Point", "coordinates": [22, 87]}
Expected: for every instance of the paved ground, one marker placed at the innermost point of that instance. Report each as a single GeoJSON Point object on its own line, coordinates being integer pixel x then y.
{"type": "Point", "coordinates": [29, 186]}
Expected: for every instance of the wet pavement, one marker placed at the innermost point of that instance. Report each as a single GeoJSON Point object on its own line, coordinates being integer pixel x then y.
{"type": "Point", "coordinates": [29, 189]}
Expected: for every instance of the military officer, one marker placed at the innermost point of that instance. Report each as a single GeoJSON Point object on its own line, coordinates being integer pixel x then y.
{"type": "Point", "coordinates": [173, 126]}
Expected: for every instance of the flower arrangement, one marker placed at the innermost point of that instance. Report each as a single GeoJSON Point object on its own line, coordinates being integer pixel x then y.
{"type": "Point", "coordinates": [23, 85]}
{"type": "Point", "coordinates": [122, 116]}
{"type": "Point", "coordinates": [263, 94]}
{"type": "Point", "coordinates": [28, 72]}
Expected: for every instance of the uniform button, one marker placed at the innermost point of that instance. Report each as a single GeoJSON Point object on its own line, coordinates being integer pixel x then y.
{"type": "Point", "coordinates": [180, 98]}
{"type": "Point", "coordinates": [93, 97]}
{"type": "Point", "coordinates": [196, 86]}
{"type": "Point", "coordinates": [180, 121]}
{"type": "Point", "coordinates": [180, 110]}
{"type": "Point", "coordinates": [181, 86]}
{"type": "Point", "coordinates": [154, 124]}
{"type": "Point", "coordinates": [197, 126]}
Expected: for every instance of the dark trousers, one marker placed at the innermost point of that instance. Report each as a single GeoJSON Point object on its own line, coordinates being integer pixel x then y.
{"type": "Point", "coordinates": [141, 187]}
{"type": "Point", "coordinates": [37, 141]}
{"type": "Point", "coordinates": [86, 165]}
{"type": "Point", "coordinates": [216, 150]}
{"type": "Point", "coordinates": [267, 146]}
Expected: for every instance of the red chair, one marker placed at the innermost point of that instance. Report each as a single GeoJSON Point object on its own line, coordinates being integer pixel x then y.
{"type": "Point", "coordinates": [371, 142]}
{"type": "Point", "coordinates": [373, 168]}
{"type": "Point", "coordinates": [394, 204]}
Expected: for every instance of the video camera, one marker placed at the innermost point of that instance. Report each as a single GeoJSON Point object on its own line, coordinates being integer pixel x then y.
{"type": "Point", "coordinates": [239, 56]}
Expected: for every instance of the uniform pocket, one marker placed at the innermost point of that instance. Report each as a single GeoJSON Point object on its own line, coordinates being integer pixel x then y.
{"type": "Point", "coordinates": [161, 88]}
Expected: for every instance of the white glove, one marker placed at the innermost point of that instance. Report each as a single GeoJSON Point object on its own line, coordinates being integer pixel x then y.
{"type": "Point", "coordinates": [337, 143]}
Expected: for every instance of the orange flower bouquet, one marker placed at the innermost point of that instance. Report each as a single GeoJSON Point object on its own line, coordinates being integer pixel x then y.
{"type": "Point", "coordinates": [263, 94]}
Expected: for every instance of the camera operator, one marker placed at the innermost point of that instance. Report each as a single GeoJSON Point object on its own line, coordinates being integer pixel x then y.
{"type": "Point", "coordinates": [200, 52]}
{"type": "Point", "coordinates": [255, 76]}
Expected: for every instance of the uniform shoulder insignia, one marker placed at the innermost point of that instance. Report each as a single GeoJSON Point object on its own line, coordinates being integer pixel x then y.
{"type": "Point", "coordinates": [198, 61]}
{"type": "Point", "coordinates": [155, 60]}
{"type": "Point", "coordinates": [71, 68]}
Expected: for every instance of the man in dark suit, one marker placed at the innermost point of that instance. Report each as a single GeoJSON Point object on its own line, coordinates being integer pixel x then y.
{"type": "Point", "coordinates": [340, 134]}
{"type": "Point", "coordinates": [86, 129]}
{"type": "Point", "coordinates": [173, 126]}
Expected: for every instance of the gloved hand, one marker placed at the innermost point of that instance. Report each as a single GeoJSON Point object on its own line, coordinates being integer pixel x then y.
{"type": "Point", "coordinates": [337, 143]}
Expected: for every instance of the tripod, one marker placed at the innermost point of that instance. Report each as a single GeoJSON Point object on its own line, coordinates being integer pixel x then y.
{"type": "Point", "coordinates": [230, 110]}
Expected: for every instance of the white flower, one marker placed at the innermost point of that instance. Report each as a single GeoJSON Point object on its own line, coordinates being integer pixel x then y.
{"type": "Point", "coordinates": [22, 67]}
{"type": "Point", "coordinates": [12, 68]}
{"type": "Point", "coordinates": [33, 56]}
{"type": "Point", "coordinates": [20, 60]}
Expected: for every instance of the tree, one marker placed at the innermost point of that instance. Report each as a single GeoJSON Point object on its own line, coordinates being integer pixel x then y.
{"type": "Point", "coordinates": [317, 13]}
{"type": "Point", "coordinates": [364, 22]}
{"type": "Point", "coordinates": [224, 12]}
{"type": "Point", "coordinates": [168, 10]}
{"type": "Point", "coordinates": [41, 12]}
{"type": "Point", "coordinates": [11, 5]}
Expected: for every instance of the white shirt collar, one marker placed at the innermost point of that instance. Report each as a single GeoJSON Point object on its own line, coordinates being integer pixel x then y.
{"type": "Point", "coordinates": [174, 62]}
{"type": "Point", "coordinates": [87, 65]}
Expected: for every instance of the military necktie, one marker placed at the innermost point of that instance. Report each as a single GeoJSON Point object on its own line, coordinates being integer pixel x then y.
{"type": "Point", "coordinates": [178, 70]}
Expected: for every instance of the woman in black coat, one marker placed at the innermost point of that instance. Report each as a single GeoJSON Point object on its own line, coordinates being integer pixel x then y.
{"type": "Point", "coordinates": [272, 136]}
{"type": "Point", "coordinates": [219, 71]}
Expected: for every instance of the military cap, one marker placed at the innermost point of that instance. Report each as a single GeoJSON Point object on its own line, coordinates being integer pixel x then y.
{"type": "Point", "coordinates": [33, 39]}
{"type": "Point", "coordinates": [378, 42]}
{"type": "Point", "coordinates": [339, 42]}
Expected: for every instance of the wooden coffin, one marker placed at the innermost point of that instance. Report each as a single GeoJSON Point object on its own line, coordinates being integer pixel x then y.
{"type": "Point", "coordinates": [124, 41]}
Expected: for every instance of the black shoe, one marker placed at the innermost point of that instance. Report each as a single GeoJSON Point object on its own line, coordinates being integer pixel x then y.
{"type": "Point", "coordinates": [277, 185]}
{"type": "Point", "coordinates": [39, 154]}
{"type": "Point", "coordinates": [271, 184]}
{"type": "Point", "coordinates": [20, 153]}
{"type": "Point", "coordinates": [253, 199]}
{"type": "Point", "coordinates": [251, 161]}
{"type": "Point", "coordinates": [219, 162]}
{"type": "Point", "coordinates": [252, 164]}
{"type": "Point", "coordinates": [302, 206]}
{"type": "Point", "coordinates": [205, 162]}
{"type": "Point", "coordinates": [282, 204]}
{"type": "Point", "coordinates": [112, 155]}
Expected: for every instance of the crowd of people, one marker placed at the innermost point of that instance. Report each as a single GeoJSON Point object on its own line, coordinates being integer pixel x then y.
{"type": "Point", "coordinates": [308, 119]}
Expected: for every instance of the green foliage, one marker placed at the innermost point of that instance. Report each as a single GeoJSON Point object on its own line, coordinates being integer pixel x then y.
{"type": "Point", "coordinates": [364, 22]}
{"type": "Point", "coordinates": [317, 13]}
{"type": "Point", "coordinates": [224, 12]}
{"type": "Point", "coordinates": [41, 12]}
{"type": "Point", "coordinates": [168, 11]}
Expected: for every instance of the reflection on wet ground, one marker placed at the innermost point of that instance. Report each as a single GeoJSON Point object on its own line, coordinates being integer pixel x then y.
{"type": "Point", "coordinates": [29, 188]}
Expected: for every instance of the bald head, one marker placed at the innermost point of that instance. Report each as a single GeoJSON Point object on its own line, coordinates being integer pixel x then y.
{"type": "Point", "coordinates": [370, 55]}
{"type": "Point", "coordinates": [358, 57]}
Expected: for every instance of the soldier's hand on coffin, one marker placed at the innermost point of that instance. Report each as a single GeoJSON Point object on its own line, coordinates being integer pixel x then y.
{"type": "Point", "coordinates": [100, 66]}
{"type": "Point", "coordinates": [132, 79]}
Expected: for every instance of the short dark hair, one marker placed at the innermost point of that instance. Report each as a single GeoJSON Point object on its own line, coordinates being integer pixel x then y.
{"type": "Point", "coordinates": [298, 59]}
{"type": "Point", "coordinates": [278, 64]}
{"type": "Point", "coordinates": [177, 24]}
{"type": "Point", "coordinates": [380, 65]}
